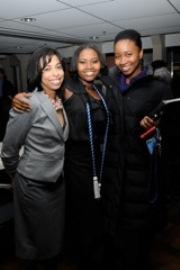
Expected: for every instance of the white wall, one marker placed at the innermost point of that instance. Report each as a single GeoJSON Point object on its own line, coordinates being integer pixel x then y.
{"type": "Point", "coordinates": [67, 52]}
{"type": "Point", "coordinates": [172, 40]}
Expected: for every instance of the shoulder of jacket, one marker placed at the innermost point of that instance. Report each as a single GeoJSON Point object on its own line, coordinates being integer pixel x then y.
{"type": "Point", "coordinates": [34, 101]}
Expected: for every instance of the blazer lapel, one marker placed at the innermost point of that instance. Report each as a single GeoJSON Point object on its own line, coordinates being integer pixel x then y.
{"type": "Point", "coordinates": [51, 113]}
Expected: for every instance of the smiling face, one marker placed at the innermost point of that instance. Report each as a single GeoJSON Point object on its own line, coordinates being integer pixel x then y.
{"type": "Point", "coordinates": [88, 65]}
{"type": "Point", "coordinates": [128, 57]}
{"type": "Point", "coordinates": [52, 76]}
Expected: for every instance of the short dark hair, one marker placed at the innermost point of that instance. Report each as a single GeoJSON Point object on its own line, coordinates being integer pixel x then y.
{"type": "Point", "coordinates": [34, 69]}
{"type": "Point", "coordinates": [74, 60]}
{"type": "Point", "coordinates": [130, 34]}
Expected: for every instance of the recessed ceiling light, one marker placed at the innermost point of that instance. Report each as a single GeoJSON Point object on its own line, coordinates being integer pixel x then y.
{"type": "Point", "coordinates": [93, 37]}
{"type": "Point", "coordinates": [18, 47]}
{"type": "Point", "coordinates": [28, 20]}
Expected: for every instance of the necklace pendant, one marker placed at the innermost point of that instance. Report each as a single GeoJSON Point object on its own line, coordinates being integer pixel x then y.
{"type": "Point", "coordinates": [96, 187]}
{"type": "Point", "coordinates": [57, 104]}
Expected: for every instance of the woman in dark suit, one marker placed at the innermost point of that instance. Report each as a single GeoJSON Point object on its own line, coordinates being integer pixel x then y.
{"type": "Point", "coordinates": [38, 183]}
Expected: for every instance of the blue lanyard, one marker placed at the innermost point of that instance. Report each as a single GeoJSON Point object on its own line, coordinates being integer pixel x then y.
{"type": "Point", "coordinates": [96, 179]}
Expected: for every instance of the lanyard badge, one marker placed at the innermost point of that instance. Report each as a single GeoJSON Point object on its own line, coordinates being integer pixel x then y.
{"type": "Point", "coordinates": [96, 180]}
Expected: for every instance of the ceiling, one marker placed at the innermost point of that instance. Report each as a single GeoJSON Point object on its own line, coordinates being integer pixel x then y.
{"type": "Point", "coordinates": [70, 22]}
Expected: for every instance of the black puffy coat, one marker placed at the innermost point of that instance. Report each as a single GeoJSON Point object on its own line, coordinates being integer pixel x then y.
{"type": "Point", "coordinates": [141, 188]}
{"type": "Point", "coordinates": [114, 163]}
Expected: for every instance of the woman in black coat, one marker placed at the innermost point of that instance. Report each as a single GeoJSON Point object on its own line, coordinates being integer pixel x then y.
{"type": "Point", "coordinates": [86, 158]}
{"type": "Point", "coordinates": [140, 207]}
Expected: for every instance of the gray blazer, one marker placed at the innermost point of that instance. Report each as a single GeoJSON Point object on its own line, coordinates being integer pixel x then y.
{"type": "Point", "coordinates": [43, 140]}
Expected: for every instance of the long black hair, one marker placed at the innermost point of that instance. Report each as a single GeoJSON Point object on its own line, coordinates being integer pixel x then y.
{"type": "Point", "coordinates": [38, 61]}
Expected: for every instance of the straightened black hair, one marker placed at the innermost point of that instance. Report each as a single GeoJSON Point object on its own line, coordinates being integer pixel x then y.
{"type": "Point", "coordinates": [74, 60]}
{"type": "Point", "coordinates": [38, 61]}
{"type": "Point", "coordinates": [130, 34]}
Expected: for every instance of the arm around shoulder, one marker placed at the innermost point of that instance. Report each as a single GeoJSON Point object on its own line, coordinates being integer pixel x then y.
{"type": "Point", "coordinates": [20, 102]}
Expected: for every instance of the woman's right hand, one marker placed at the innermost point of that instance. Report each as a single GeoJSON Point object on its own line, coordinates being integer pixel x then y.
{"type": "Point", "coordinates": [20, 102]}
{"type": "Point", "coordinates": [147, 122]}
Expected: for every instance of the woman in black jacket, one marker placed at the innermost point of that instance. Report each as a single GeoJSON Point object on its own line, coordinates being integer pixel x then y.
{"type": "Point", "coordinates": [140, 208]}
{"type": "Point", "coordinates": [93, 107]}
